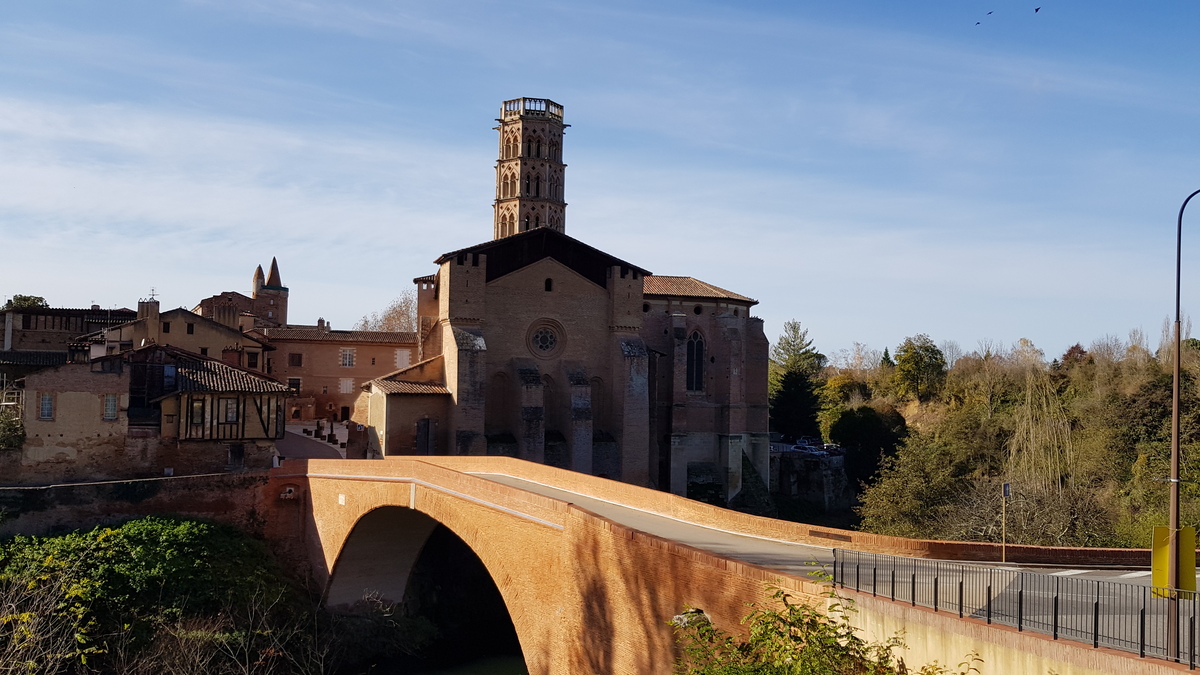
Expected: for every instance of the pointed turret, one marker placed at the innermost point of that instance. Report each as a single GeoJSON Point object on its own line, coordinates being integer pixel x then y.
{"type": "Point", "coordinates": [258, 282]}
{"type": "Point", "coordinates": [273, 279]}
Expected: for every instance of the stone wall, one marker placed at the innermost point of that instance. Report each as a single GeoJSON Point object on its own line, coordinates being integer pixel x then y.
{"type": "Point", "coordinates": [228, 498]}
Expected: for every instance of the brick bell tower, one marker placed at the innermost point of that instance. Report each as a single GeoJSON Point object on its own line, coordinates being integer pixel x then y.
{"type": "Point", "coordinates": [529, 173]}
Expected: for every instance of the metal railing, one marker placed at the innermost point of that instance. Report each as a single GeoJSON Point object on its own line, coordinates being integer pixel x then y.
{"type": "Point", "coordinates": [1110, 614]}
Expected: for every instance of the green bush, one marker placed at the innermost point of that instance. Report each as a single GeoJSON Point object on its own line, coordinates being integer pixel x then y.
{"type": "Point", "coordinates": [12, 431]}
{"type": "Point", "coordinates": [161, 596]}
{"type": "Point", "coordinates": [791, 639]}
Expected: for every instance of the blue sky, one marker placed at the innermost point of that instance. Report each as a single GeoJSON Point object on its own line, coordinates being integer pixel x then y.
{"type": "Point", "coordinates": [872, 169]}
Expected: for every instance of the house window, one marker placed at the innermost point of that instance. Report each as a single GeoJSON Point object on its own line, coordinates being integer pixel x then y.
{"type": "Point", "coordinates": [110, 407]}
{"type": "Point", "coordinates": [347, 357]}
{"type": "Point", "coordinates": [168, 377]}
{"type": "Point", "coordinates": [346, 385]}
{"type": "Point", "coordinates": [325, 390]}
{"type": "Point", "coordinates": [296, 360]}
{"type": "Point", "coordinates": [549, 285]}
{"type": "Point", "coordinates": [191, 329]}
{"type": "Point", "coordinates": [197, 414]}
{"type": "Point", "coordinates": [204, 351]}
{"type": "Point", "coordinates": [46, 407]}
{"type": "Point", "coordinates": [403, 358]}
{"type": "Point", "coordinates": [695, 362]}
{"type": "Point", "coordinates": [166, 327]}
{"type": "Point", "coordinates": [372, 360]}
{"type": "Point", "coordinates": [294, 384]}
{"type": "Point", "coordinates": [227, 408]}
{"type": "Point", "coordinates": [252, 360]}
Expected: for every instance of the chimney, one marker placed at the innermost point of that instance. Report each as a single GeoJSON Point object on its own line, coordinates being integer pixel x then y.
{"type": "Point", "coordinates": [148, 310]}
{"type": "Point", "coordinates": [95, 308]}
{"type": "Point", "coordinates": [226, 315]}
{"type": "Point", "coordinates": [320, 324]}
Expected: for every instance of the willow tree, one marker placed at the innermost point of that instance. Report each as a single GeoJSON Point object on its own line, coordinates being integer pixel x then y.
{"type": "Point", "coordinates": [1041, 448]}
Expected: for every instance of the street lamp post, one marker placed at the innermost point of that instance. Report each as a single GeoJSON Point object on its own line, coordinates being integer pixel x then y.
{"type": "Point", "coordinates": [1173, 526]}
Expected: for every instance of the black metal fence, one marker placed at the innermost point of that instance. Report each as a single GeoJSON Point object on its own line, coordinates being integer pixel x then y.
{"type": "Point", "coordinates": [1129, 617]}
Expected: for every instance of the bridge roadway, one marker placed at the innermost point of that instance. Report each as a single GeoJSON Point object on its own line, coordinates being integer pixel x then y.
{"type": "Point", "coordinates": [1072, 618]}
{"type": "Point", "coordinates": [785, 556]}
{"type": "Point", "coordinates": [612, 591]}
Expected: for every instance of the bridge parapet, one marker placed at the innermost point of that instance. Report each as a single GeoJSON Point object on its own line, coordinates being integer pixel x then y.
{"type": "Point", "coordinates": [699, 513]}
{"type": "Point", "coordinates": [588, 594]}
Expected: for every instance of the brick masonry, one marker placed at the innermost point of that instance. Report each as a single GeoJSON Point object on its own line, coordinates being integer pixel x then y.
{"type": "Point", "coordinates": [588, 595]}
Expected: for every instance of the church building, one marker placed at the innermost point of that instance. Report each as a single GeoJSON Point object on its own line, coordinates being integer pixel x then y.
{"type": "Point", "coordinates": [538, 346]}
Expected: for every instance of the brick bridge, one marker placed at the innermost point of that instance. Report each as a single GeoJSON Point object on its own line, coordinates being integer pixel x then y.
{"type": "Point", "coordinates": [590, 589]}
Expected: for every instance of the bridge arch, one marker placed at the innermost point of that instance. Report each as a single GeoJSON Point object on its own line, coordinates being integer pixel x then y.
{"type": "Point", "coordinates": [380, 532]}
{"type": "Point", "coordinates": [378, 556]}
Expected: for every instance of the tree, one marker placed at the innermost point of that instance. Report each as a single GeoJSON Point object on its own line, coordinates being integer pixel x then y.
{"type": "Point", "coordinates": [867, 435]}
{"type": "Point", "coordinates": [12, 430]}
{"type": "Point", "coordinates": [794, 351]}
{"type": "Point", "coordinates": [793, 393]}
{"type": "Point", "coordinates": [26, 302]}
{"type": "Point", "coordinates": [920, 367]}
{"type": "Point", "coordinates": [794, 406]}
{"type": "Point", "coordinates": [399, 316]}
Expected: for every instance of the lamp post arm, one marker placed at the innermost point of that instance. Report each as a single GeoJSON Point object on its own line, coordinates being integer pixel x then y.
{"type": "Point", "coordinates": [1173, 527]}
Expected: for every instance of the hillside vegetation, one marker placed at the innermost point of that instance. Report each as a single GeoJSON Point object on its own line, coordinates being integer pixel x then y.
{"type": "Point", "coordinates": [932, 433]}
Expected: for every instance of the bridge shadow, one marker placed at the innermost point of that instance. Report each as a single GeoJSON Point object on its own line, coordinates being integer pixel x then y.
{"type": "Point", "coordinates": [632, 584]}
{"type": "Point", "coordinates": [450, 587]}
{"type": "Point", "coordinates": [402, 555]}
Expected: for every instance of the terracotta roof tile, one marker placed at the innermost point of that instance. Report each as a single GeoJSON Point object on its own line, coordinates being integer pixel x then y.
{"type": "Point", "coordinates": [395, 387]}
{"type": "Point", "coordinates": [32, 358]}
{"type": "Point", "coordinates": [198, 374]}
{"type": "Point", "coordinates": [319, 335]}
{"type": "Point", "coordinates": [688, 287]}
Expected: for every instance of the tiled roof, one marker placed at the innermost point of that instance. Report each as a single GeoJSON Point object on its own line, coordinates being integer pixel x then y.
{"type": "Point", "coordinates": [199, 374]}
{"type": "Point", "coordinates": [23, 358]}
{"type": "Point", "coordinates": [508, 254]}
{"type": "Point", "coordinates": [394, 387]}
{"type": "Point", "coordinates": [319, 335]}
{"type": "Point", "coordinates": [87, 313]}
{"type": "Point", "coordinates": [688, 287]}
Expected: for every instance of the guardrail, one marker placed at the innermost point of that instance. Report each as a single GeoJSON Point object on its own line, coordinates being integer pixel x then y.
{"type": "Point", "coordinates": [1128, 617]}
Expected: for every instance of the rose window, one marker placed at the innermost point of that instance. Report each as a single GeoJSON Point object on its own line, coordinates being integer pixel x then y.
{"type": "Point", "coordinates": [544, 340]}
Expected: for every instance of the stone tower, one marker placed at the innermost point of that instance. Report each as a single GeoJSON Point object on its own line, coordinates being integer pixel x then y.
{"type": "Point", "coordinates": [270, 298]}
{"type": "Point", "coordinates": [529, 173]}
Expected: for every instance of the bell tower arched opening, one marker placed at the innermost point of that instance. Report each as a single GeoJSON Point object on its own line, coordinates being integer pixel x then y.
{"type": "Point", "coordinates": [529, 171]}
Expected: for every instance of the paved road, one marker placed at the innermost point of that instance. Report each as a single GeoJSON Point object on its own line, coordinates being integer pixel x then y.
{"type": "Point", "coordinates": [789, 557]}
{"type": "Point", "coordinates": [1053, 600]}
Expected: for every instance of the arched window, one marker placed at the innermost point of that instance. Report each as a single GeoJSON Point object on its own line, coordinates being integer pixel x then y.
{"type": "Point", "coordinates": [695, 362]}
{"type": "Point", "coordinates": [526, 228]}
{"type": "Point", "coordinates": [549, 284]}
{"type": "Point", "coordinates": [537, 186]}
{"type": "Point", "coordinates": [527, 184]}
{"type": "Point", "coordinates": [537, 221]}
{"type": "Point", "coordinates": [538, 149]}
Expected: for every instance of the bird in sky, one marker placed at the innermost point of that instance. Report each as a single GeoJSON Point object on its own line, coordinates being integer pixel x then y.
{"type": "Point", "coordinates": [1036, 10]}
